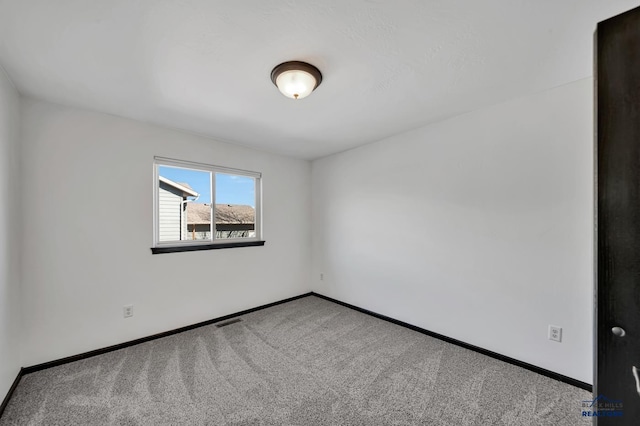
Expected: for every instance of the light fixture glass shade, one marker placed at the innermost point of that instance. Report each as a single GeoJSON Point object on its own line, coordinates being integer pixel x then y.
{"type": "Point", "coordinates": [295, 79]}
{"type": "Point", "coordinates": [296, 84]}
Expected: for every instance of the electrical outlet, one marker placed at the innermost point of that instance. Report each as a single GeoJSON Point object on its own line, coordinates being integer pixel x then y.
{"type": "Point", "coordinates": [555, 333]}
{"type": "Point", "coordinates": [127, 311]}
{"type": "Point", "coordinates": [321, 277]}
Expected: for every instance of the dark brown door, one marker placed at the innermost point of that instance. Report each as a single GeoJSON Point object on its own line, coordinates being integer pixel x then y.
{"type": "Point", "coordinates": [618, 246]}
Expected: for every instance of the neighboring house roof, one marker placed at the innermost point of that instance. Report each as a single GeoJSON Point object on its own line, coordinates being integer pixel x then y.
{"type": "Point", "coordinates": [200, 214]}
{"type": "Point", "coordinates": [186, 190]}
{"type": "Point", "coordinates": [186, 185]}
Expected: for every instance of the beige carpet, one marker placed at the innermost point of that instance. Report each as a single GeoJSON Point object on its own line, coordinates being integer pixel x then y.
{"type": "Point", "coordinates": [306, 362]}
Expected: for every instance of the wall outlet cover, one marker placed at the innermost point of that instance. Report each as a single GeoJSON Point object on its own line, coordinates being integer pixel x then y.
{"type": "Point", "coordinates": [555, 333]}
{"type": "Point", "coordinates": [127, 311]}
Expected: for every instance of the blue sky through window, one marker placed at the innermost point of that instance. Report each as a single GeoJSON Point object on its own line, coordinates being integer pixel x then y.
{"type": "Point", "coordinates": [230, 189]}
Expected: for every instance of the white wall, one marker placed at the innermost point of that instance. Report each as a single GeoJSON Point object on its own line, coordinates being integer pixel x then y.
{"type": "Point", "coordinates": [84, 256]}
{"type": "Point", "coordinates": [9, 243]}
{"type": "Point", "coordinates": [479, 227]}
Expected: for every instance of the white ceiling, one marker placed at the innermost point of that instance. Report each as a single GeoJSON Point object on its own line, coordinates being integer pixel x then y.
{"type": "Point", "coordinates": [204, 65]}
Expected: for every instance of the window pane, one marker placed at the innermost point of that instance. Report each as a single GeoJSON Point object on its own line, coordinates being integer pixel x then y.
{"type": "Point", "coordinates": [184, 204]}
{"type": "Point", "coordinates": [235, 206]}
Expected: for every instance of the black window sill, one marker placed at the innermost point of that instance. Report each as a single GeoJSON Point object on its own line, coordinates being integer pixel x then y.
{"type": "Point", "coordinates": [177, 249]}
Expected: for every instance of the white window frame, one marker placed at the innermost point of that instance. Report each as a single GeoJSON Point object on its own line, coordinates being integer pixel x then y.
{"type": "Point", "coordinates": [170, 162]}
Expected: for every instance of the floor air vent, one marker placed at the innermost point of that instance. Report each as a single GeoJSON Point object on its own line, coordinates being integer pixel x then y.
{"type": "Point", "coordinates": [231, 321]}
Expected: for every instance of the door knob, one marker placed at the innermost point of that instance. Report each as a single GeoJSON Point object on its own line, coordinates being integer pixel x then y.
{"type": "Point", "coordinates": [618, 331]}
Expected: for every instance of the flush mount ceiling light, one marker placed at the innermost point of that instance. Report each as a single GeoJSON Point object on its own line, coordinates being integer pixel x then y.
{"type": "Point", "coordinates": [295, 79]}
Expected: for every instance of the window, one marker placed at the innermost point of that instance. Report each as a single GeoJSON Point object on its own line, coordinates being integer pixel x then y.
{"type": "Point", "coordinates": [188, 195]}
